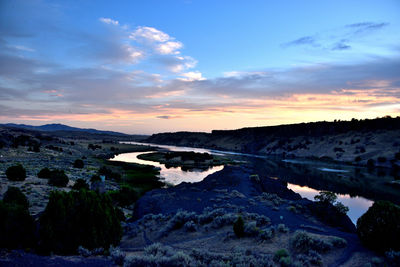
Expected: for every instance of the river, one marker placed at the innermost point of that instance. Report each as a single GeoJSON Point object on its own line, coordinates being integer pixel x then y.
{"type": "Point", "coordinates": [354, 186]}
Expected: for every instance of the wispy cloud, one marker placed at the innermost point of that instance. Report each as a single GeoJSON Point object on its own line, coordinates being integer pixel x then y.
{"type": "Point", "coordinates": [306, 40]}
{"type": "Point", "coordinates": [109, 21]}
{"type": "Point", "coordinates": [338, 39]}
{"type": "Point", "coordinates": [365, 27]}
{"type": "Point", "coordinates": [341, 45]}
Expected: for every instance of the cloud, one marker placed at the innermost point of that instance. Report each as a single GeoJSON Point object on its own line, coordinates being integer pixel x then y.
{"type": "Point", "coordinates": [109, 21]}
{"type": "Point", "coordinates": [117, 73]}
{"type": "Point", "coordinates": [341, 45]}
{"type": "Point", "coordinates": [192, 76]}
{"type": "Point", "coordinates": [306, 40]}
{"type": "Point", "coordinates": [23, 48]}
{"type": "Point", "coordinates": [169, 48]}
{"type": "Point", "coordinates": [149, 34]}
{"type": "Point", "coordinates": [363, 27]}
{"type": "Point", "coordinates": [338, 39]}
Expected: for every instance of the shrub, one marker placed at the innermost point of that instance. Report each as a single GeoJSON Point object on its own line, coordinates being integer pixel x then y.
{"type": "Point", "coordinates": [304, 242]}
{"type": "Point", "coordinates": [178, 221]}
{"type": "Point", "coordinates": [267, 233]}
{"type": "Point", "coordinates": [280, 254]}
{"type": "Point", "coordinates": [125, 196]}
{"type": "Point", "coordinates": [238, 227]}
{"type": "Point", "coordinates": [190, 226]}
{"type": "Point", "coordinates": [381, 159]}
{"type": "Point", "coordinates": [109, 173]}
{"type": "Point", "coordinates": [379, 227]}
{"type": "Point", "coordinates": [78, 163]}
{"type": "Point", "coordinates": [325, 198]}
{"type": "Point", "coordinates": [285, 261]}
{"type": "Point", "coordinates": [341, 208]}
{"type": "Point", "coordinates": [78, 218]}
{"type": "Point", "coordinates": [16, 173]}
{"type": "Point", "coordinates": [370, 163]}
{"type": "Point", "coordinates": [80, 184]}
{"type": "Point", "coordinates": [393, 257]}
{"type": "Point", "coordinates": [44, 173]}
{"type": "Point", "coordinates": [16, 226]}
{"type": "Point", "coordinates": [14, 196]}
{"type": "Point", "coordinates": [95, 178]}
{"type": "Point", "coordinates": [117, 255]}
{"type": "Point", "coordinates": [58, 178]}
{"type": "Point", "coordinates": [282, 228]}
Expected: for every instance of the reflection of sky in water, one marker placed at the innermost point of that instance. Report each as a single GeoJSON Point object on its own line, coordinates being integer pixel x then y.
{"type": "Point", "coordinates": [171, 175]}
{"type": "Point", "coordinates": [357, 205]}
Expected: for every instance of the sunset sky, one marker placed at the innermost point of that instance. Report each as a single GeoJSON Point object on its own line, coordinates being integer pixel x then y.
{"type": "Point", "coordinates": [153, 66]}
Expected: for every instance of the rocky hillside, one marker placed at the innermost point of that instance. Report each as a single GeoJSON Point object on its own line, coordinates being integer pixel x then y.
{"type": "Point", "coordinates": [355, 141]}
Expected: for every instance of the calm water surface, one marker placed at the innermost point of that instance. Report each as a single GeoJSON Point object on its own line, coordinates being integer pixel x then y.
{"type": "Point", "coordinates": [171, 175]}
{"type": "Point", "coordinates": [357, 205]}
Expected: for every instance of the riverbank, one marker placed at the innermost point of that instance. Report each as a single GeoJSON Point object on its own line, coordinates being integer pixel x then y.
{"type": "Point", "coordinates": [375, 143]}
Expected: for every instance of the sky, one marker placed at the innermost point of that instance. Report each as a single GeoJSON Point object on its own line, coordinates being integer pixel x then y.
{"type": "Point", "coordinates": [144, 67]}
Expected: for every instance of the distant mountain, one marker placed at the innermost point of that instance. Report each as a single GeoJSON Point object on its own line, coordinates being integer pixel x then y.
{"type": "Point", "coordinates": [55, 127]}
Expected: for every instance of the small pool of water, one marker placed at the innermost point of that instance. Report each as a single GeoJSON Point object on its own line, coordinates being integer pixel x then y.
{"type": "Point", "coordinates": [357, 205]}
{"type": "Point", "coordinates": [171, 175]}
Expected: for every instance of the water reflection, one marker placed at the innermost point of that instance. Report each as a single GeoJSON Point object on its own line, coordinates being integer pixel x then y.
{"type": "Point", "coordinates": [357, 205]}
{"type": "Point", "coordinates": [171, 175]}
{"type": "Point", "coordinates": [355, 186]}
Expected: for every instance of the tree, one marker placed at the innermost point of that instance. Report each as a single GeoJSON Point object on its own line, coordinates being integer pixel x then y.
{"type": "Point", "coordinates": [58, 178]}
{"type": "Point", "coordinates": [44, 173]}
{"type": "Point", "coordinates": [14, 196]}
{"type": "Point", "coordinates": [16, 173]}
{"type": "Point", "coordinates": [78, 163]}
{"type": "Point", "coordinates": [238, 227]}
{"type": "Point", "coordinates": [326, 198]}
{"type": "Point", "coordinates": [78, 218]}
{"type": "Point", "coordinates": [16, 224]}
{"type": "Point", "coordinates": [379, 227]}
{"type": "Point", "coordinates": [80, 184]}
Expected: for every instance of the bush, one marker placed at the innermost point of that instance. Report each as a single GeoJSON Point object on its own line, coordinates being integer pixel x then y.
{"type": "Point", "coordinates": [78, 163]}
{"type": "Point", "coordinates": [285, 261]}
{"type": "Point", "coordinates": [238, 227]}
{"type": "Point", "coordinates": [95, 178]}
{"type": "Point", "coordinates": [44, 173]}
{"type": "Point", "coordinates": [280, 254]}
{"type": "Point", "coordinates": [80, 184]}
{"type": "Point", "coordinates": [379, 227]}
{"type": "Point", "coordinates": [303, 242]}
{"type": "Point", "coordinates": [109, 174]}
{"type": "Point", "coordinates": [325, 198]}
{"type": "Point", "coordinates": [16, 226]}
{"type": "Point", "coordinates": [14, 196]}
{"type": "Point", "coordinates": [58, 178]}
{"type": "Point", "coordinates": [16, 173]}
{"type": "Point", "coordinates": [78, 218]}
{"type": "Point", "coordinates": [125, 196]}
{"type": "Point", "coordinates": [370, 163]}
{"type": "Point", "coordinates": [381, 159]}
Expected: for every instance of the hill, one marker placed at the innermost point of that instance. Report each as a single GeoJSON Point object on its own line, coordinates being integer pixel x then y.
{"type": "Point", "coordinates": [352, 141]}
{"type": "Point", "coordinates": [60, 127]}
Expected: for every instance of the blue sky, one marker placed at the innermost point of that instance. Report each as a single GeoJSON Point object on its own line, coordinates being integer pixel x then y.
{"type": "Point", "coordinates": [153, 66]}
